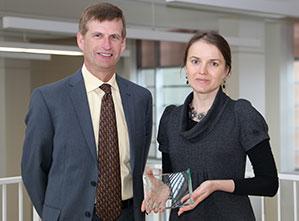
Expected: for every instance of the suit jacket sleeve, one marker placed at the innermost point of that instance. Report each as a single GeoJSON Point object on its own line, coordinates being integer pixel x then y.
{"type": "Point", "coordinates": [37, 150]}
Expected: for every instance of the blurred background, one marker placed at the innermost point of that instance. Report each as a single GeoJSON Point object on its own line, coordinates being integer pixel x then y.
{"type": "Point", "coordinates": [38, 46]}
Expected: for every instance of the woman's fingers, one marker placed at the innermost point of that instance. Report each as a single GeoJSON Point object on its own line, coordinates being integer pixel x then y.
{"type": "Point", "coordinates": [185, 198]}
{"type": "Point", "coordinates": [187, 208]}
{"type": "Point", "coordinates": [197, 197]}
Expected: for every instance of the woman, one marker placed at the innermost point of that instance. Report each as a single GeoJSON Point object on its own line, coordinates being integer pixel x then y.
{"type": "Point", "coordinates": [212, 134]}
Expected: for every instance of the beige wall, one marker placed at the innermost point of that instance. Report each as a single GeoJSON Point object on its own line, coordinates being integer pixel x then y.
{"type": "Point", "coordinates": [17, 85]}
{"type": "Point", "coordinates": [2, 119]}
{"type": "Point", "coordinates": [44, 72]}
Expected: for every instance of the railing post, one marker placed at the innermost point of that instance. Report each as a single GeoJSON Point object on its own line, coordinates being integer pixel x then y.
{"type": "Point", "coordinates": [295, 200]}
{"type": "Point", "coordinates": [278, 205]}
{"type": "Point", "coordinates": [4, 203]}
{"type": "Point", "coordinates": [263, 208]}
{"type": "Point", "coordinates": [21, 209]}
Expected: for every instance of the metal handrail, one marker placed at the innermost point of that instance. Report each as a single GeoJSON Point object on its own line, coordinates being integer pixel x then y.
{"type": "Point", "coordinates": [12, 180]}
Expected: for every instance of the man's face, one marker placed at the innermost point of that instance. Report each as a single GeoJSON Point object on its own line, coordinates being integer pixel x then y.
{"type": "Point", "coordinates": [102, 45]}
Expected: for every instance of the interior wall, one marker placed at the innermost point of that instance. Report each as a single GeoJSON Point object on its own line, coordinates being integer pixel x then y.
{"type": "Point", "coordinates": [17, 84]}
{"type": "Point", "coordinates": [59, 67]}
{"type": "Point", "coordinates": [2, 120]}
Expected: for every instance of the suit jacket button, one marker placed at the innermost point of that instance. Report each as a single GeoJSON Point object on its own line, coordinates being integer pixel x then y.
{"type": "Point", "coordinates": [93, 183]}
{"type": "Point", "coordinates": [87, 214]}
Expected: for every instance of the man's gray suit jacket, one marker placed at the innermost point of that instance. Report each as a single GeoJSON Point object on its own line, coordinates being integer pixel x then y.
{"type": "Point", "coordinates": [59, 162]}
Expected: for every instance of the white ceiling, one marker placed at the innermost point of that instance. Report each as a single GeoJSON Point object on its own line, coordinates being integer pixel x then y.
{"type": "Point", "coordinates": [272, 8]}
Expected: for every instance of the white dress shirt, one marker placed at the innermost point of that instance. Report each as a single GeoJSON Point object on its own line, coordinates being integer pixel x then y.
{"type": "Point", "coordinates": [95, 95]}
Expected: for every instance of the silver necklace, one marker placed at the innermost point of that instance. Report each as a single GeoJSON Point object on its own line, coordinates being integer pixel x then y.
{"type": "Point", "coordinates": [196, 116]}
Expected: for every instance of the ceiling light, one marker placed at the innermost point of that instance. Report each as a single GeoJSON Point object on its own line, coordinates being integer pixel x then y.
{"type": "Point", "coordinates": [25, 56]}
{"type": "Point", "coordinates": [33, 48]}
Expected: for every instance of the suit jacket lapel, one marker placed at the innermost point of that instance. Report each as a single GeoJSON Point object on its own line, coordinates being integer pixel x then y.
{"type": "Point", "coordinates": [80, 104]}
{"type": "Point", "coordinates": [128, 106]}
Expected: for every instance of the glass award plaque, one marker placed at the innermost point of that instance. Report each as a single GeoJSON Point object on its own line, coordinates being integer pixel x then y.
{"type": "Point", "coordinates": [169, 189]}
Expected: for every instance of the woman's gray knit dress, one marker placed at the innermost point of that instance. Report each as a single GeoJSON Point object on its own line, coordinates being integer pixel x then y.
{"type": "Point", "coordinates": [214, 148]}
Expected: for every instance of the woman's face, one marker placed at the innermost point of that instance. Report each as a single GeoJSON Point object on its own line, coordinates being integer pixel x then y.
{"type": "Point", "coordinates": [205, 67]}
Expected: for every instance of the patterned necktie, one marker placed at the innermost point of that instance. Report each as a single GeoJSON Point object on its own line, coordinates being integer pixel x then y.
{"type": "Point", "coordinates": [108, 199]}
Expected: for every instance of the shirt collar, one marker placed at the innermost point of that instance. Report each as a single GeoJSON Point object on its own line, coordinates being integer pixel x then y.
{"type": "Point", "coordinates": [93, 83]}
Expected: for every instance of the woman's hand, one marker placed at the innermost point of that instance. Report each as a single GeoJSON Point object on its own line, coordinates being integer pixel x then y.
{"type": "Point", "coordinates": [156, 196]}
{"type": "Point", "coordinates": [204, 190]}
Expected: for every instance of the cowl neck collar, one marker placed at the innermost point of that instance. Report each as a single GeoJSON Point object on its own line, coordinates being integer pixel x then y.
{"type": "Point", "coordinates": [207, 124]}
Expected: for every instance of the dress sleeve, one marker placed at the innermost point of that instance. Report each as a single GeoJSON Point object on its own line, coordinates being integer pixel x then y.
{"type": "Point", "coordinates": [265, 180]}
{"type": "Point", "coordinates": [252, 126]}
{"type": "Point", "coordinates": [162, 131]}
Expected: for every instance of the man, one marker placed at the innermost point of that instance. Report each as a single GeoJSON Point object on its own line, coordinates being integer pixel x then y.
{"type": "Point", "coordinates": [63, 167]}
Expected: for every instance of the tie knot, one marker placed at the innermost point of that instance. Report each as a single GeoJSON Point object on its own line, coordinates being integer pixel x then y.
{"type": "Point", "coordinates": [106, 88]}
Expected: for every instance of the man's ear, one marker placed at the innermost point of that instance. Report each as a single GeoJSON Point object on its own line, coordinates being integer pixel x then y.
{"type": "Point", "coordinates": [80, 41]}
{"type": "Point", "coordinates": [123, 45]}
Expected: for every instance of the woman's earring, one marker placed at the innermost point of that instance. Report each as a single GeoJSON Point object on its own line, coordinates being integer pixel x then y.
{"type": "Point", "coordinates": [223, 85]}
{"type": "Point", "coordinates": [187, 82]}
